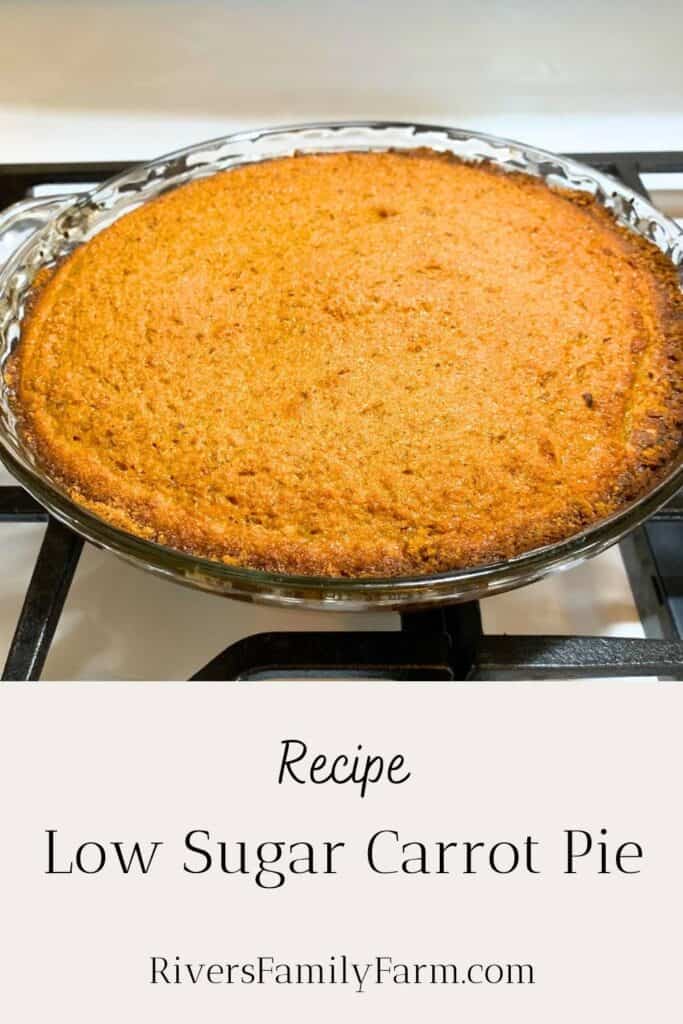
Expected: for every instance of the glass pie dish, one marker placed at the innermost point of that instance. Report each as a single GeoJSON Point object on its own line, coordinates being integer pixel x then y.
{"type": "Point", "coordinates": [36, 233]}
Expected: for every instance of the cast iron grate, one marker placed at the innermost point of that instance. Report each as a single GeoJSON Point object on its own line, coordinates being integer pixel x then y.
{"type": "Point", "coordinates": [444, 644]}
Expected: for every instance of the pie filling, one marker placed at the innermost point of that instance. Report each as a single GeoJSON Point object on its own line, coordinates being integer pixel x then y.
{"type": "Point", "coordinates": [356, 364]}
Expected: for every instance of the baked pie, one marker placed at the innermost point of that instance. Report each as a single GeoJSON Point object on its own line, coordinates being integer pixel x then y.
{"type": "Point", "coordinates": [356, 364]}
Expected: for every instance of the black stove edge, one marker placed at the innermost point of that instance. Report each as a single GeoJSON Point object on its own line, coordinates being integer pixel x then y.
{"type": "Point", "coordinates": [17, 179]}
{"type": "Point", "coordinates": [403, 657]}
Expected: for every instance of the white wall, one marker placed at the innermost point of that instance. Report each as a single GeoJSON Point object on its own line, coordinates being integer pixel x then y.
{"type": "Point", "coordinates": [288, 60]}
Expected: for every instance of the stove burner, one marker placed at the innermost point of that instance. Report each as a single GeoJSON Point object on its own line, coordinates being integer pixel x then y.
{"type": "Point", "coordinates": [443, 644]}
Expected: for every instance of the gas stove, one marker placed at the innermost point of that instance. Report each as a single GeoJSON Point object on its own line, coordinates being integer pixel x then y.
{"type": "Point", "coordinates": [70, 612]}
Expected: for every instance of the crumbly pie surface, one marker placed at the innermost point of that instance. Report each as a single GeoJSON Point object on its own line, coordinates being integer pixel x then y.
{"type": "Point", "coordinates": [356, 364]}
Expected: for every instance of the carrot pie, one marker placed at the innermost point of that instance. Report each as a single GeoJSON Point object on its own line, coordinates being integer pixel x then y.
{"type": "Point", "coordinates": [356, 364]}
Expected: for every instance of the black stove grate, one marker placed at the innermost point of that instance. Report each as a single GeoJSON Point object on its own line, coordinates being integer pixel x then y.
{"type": "Point", "coordinates": [444, 644]}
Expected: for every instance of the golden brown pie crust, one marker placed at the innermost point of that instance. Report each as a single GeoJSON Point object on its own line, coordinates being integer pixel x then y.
{"type": "Point", "coordinates": [356, 364]}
